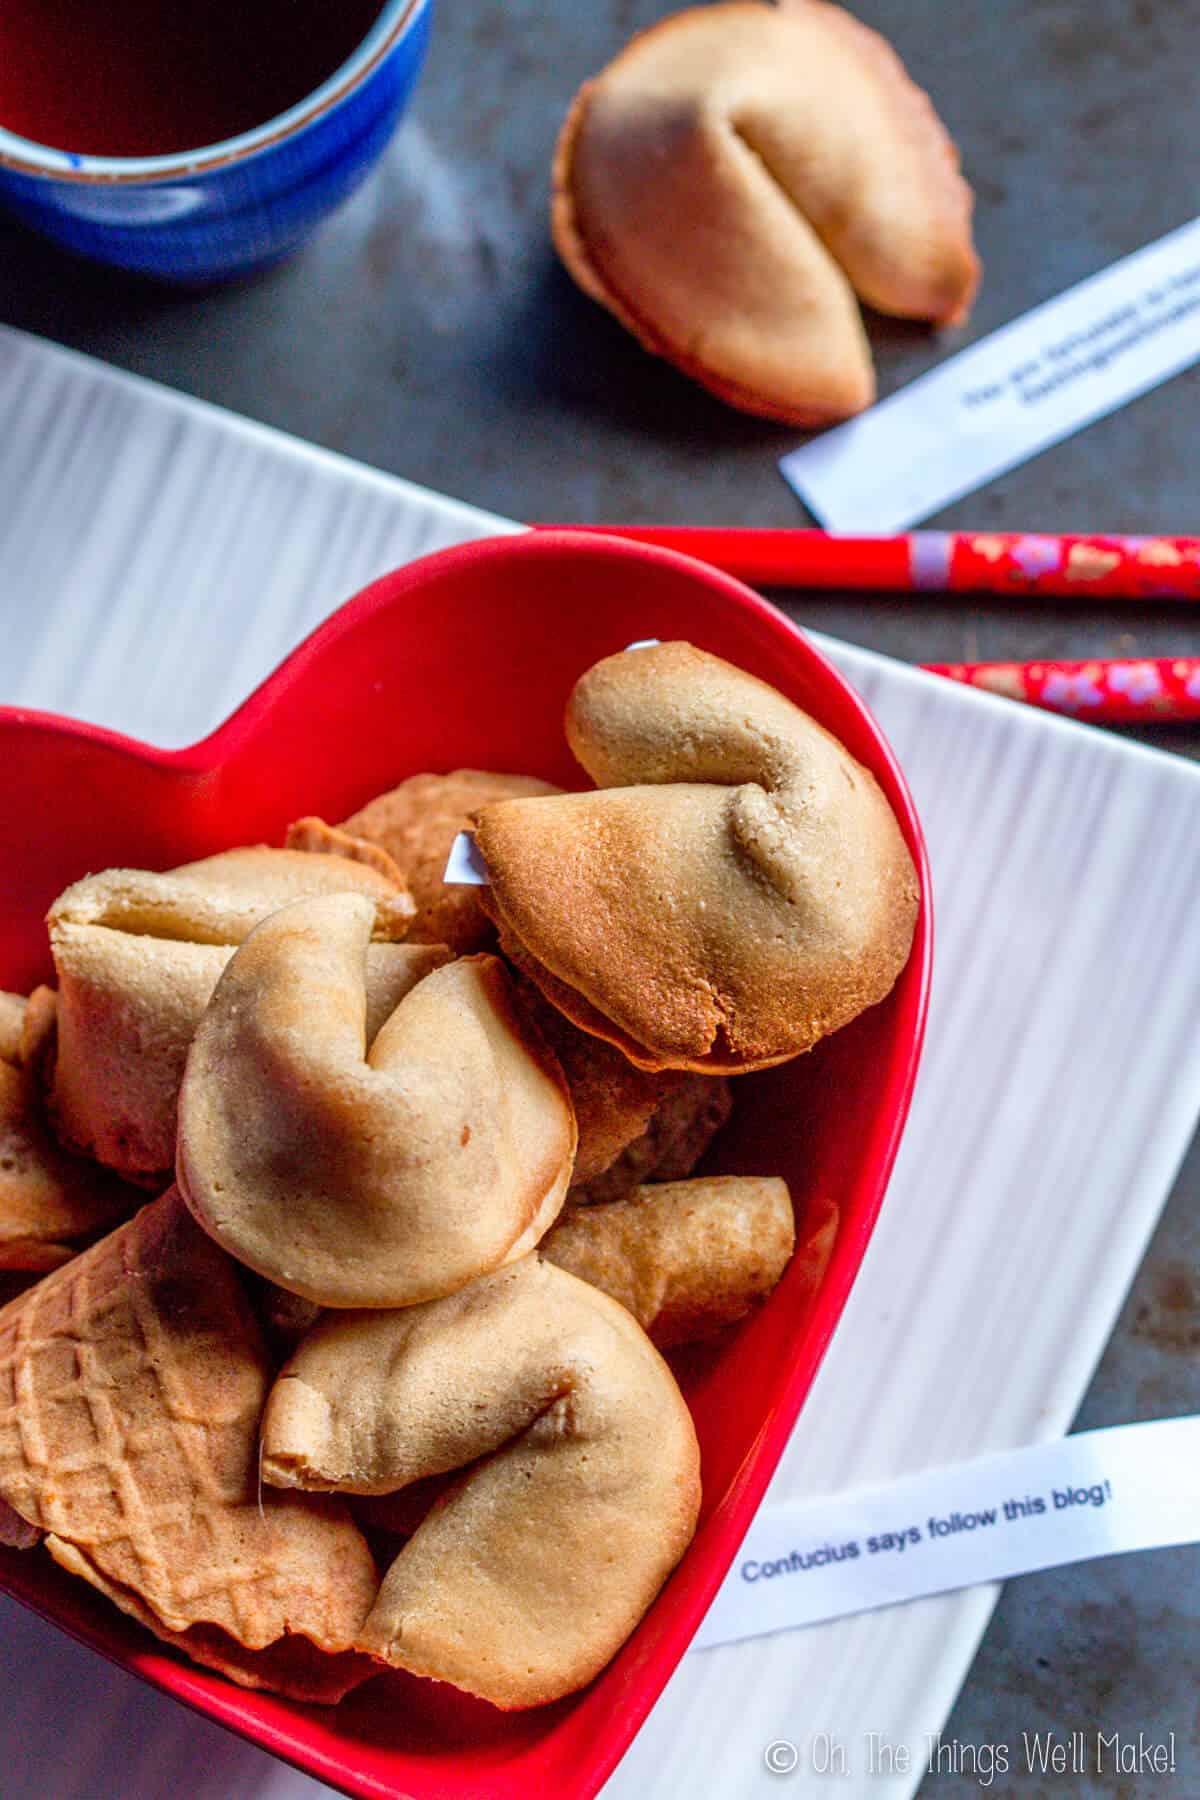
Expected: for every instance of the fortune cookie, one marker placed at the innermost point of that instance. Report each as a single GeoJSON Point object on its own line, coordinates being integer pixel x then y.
{"type": "Point", "coordinates": [222, 898]}
{"type": "Point", "coordinates": [138, 955]}
{"type": "Point", "coordinates": [49, 1199]}
{"type": "Point", "coordinates": [736, 174]}
{"type": "Point", "coordinates": [12, 1023]}
{"type": "Point", "coordinates": [414, 825]}
{"type": "Point", "coordinates": [614, 1102]}
{"type": "Point", "coordinates": [131, 1386]}
{"type": "Point", "coordinates": [529, 1575]}
{"type": "Point", "coordinates": [359, 1174]}
{"type": "Point", "coordinates": [686, 1258]}
{"type": "Point", "coordinates": [316, 838]}
{"type": "Point", "coordinates": [737, 888]}
{"type": "Point", "coordinates": [676, 1136]}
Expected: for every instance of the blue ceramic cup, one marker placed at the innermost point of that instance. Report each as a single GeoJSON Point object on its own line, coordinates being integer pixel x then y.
{"type": "Point", "coordinates": [227, 209]}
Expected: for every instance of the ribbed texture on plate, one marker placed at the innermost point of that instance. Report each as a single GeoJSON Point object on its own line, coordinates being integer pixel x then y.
{"type": "Point", "coordinates": [1058, 1090]}
{"type": "Point", "coordinates": [158, 557]}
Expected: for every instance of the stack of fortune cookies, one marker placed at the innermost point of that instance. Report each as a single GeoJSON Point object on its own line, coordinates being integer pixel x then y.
{"type": "Point", "coordinates": [326, 1184]}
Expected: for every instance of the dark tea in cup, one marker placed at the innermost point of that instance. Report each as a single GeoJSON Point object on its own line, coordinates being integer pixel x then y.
{"type": "Point", "coordinates": [156, 77]}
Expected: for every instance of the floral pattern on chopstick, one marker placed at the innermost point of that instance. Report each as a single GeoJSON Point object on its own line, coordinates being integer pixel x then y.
{"type": "Point", "coordinates": [1119, 690]}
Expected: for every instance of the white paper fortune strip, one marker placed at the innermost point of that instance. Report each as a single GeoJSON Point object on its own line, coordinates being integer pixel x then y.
{"type": "Point", "coordinates": [1132, 1487]}
{"type": "Point", "coordinates": [464, 865]}
{"type": "Point", "coordinates": [1027, 386]}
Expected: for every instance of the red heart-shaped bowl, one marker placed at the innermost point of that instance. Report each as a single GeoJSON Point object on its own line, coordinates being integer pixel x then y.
{"type": "Point", "coordinates": [466, 659]}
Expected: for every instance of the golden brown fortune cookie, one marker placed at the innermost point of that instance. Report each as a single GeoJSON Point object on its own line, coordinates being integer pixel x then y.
{"type": "Point", "coordinates": [49, 1199]}
{"type": "Point", "coordinates": [737, 888]}
{"type": "Point", "coordinates": [285, 1318]}
{"type": "Point", "coordinates": [138, 955]}
{"type": "Point", "coordinates": [359, 1174]}
{"type": "Point", "coordinates": [131, 1386]}
{"type": "Point", "coordinates": [676, 1136]}
{"type": "Point", "coordinates": [686, 1258]}
{"type": "Point", "coordinates": [530, 1574]}
{"type": "Point", "coordinates": [613, 1101]}
{"type": "Point", "coordinates": [415, 824]}
{"type": "Point", "coordinates": [634, 1124]}
{"type": "Point", "coordinates": [12, 1024]}
{"type": "Point", "coordinates": [736, 175]}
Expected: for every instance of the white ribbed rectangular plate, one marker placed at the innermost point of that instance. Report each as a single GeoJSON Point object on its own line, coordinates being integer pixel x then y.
{"type": "Point", "coordinates": [158, 557]}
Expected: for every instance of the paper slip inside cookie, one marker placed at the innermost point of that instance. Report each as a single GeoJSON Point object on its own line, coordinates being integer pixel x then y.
{"type": "Point", "coordinates": [1027, 386]}
{"type": "Point", "coordinates": [464, 865]}
{"type": "Point", "coordinates": [1098, 1493]}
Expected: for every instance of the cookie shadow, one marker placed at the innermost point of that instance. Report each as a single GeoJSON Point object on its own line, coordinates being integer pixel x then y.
{"type": "Point", "coordinates": [568, 352]}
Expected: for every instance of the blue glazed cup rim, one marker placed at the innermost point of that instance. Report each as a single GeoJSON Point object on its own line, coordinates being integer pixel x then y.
{"type": "Point", "coordinates": [396, 19]}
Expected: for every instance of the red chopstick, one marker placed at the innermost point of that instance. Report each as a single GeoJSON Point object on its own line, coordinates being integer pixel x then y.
{"type": "Point", "coordinates": [1123, 690]}
{"type": "Point", "coordinates": [1108, 691]}
{"type": "Point", "coordinates": [952, 562]}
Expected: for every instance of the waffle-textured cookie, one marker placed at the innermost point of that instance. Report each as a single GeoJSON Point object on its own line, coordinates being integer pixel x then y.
{"type": "Point", "coordinates": [131, 1386]}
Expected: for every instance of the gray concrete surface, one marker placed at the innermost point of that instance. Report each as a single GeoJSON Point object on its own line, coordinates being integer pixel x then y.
{"type": "Point", "coordinates": [429, 331]}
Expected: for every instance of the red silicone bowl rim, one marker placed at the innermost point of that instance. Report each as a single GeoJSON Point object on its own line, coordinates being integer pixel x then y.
{"type": "Point", "coordinates": [761, 1462]}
